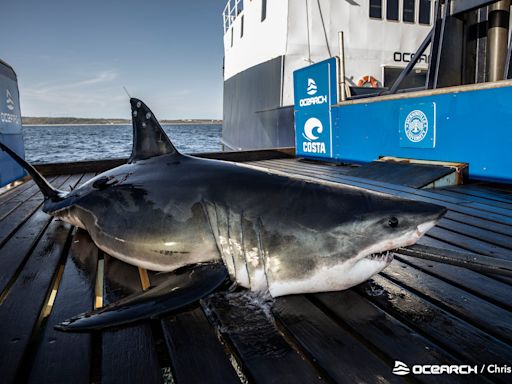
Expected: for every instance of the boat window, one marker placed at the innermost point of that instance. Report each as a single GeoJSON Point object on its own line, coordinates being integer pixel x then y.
{"type": "Point", "coordinates": [392, 10]}
{"type": "Point", "coordinates": [242, 27]}
{"type": "Point", "coordinates": [408, 15]}
{"type": "Point", "coordinates": [376, 9]}
{"type": "Point", "coordinates": [424, 12]}
{"type": "Point", "coordinates": [232, 35]}
{"type": "Point", "coordinates": [263, 9]}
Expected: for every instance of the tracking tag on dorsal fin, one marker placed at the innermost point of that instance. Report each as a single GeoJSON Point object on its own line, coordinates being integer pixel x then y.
{"type": "Point", "coordinates": [149, 139]}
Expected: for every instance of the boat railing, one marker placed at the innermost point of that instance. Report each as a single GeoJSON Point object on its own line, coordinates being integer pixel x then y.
{"type": "Point", "coordinates": [232, 9]}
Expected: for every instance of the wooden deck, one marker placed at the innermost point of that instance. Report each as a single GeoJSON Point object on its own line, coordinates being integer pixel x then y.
{"type": "Point", "coordinates": [416, 311]}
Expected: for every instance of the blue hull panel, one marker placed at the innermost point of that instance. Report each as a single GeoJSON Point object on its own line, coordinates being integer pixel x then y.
{"type": "Point", "coordinates": [10, 125]}
{"type": "Point", "coordinates": [473, 127]}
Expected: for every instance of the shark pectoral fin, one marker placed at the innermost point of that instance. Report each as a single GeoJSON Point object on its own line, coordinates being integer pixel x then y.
{"type": "Point", "coordinates": [182, 288]}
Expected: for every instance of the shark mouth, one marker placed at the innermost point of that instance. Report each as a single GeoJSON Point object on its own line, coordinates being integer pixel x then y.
{"type": "Point", "coordinates": [386, 256]}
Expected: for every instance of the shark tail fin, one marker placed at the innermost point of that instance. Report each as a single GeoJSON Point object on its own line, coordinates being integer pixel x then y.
{"type": "Point", "coordinates": [48, 191]}
{"type": "Point", "coordinates": [180, 289]}
{"type": "Point", "coordinates": [149, 139]}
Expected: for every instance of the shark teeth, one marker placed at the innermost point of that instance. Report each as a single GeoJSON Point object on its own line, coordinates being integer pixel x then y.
{"type": "Point", "coordinates": [386, 256]}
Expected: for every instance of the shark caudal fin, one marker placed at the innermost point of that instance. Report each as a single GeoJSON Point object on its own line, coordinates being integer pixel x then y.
{"type": "Point", "coordinates": [179, 290]}
{"type": "Point", "coordinates": [149, 139]}
{"type": "Point", "coordinates": [48, 191]}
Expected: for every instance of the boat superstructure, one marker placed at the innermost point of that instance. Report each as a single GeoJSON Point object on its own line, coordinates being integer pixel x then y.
{"type": "Point", "coordinates": [265, 41]}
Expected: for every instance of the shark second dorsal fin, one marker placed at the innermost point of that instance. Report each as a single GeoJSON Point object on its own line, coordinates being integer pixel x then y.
{"type": "Point", "coordinates": [149, 139]}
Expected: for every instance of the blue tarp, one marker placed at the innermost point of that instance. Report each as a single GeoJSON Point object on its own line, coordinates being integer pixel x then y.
{"type": "Point", "coordinates": [10, 125]}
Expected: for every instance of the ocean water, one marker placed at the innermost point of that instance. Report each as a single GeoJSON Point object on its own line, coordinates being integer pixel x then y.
{"type": "Point", "coordinates": [68, 143]}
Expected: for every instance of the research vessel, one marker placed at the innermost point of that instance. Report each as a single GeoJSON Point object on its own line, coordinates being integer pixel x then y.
{"type": "Point", "coordinates": [266, 41]}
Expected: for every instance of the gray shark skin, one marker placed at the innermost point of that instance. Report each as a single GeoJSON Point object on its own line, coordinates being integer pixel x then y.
{"type": "Point", "coordinates": [164, 211]}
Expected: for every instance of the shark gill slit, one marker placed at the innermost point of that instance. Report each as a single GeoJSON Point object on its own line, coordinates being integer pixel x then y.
{"type": "Point", "coordinates": [261, 252]}
{"type": "Point", "coordinates": [215, 231]}
{"type": "Point", "coordinates": [225, 251]}
{"type": "Point", "coordinates": [243, 247]}
{"type": "Point", "coordinates": [231, 251]}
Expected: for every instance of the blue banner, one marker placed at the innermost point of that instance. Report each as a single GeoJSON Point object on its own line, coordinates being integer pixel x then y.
{"type": "Point", "coordinates": [10, 125]}
{"type": "Point", "coordinates": [315, 90]}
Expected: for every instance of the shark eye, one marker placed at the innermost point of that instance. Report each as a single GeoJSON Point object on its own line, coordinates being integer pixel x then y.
{"type": "Point", "coordinates": [393, 222]}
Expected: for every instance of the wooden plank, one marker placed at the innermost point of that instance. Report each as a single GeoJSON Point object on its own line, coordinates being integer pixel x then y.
{"type": "Point", "coordinates": [197, 356]}
{"type": "Point", "coordinates": [16, 249]}
{"type": "Point", "coordinates": [479, 222]}
{"type": "Point", "coordinates": [128, 353]}
{"type": "Point", "coordinates": [489, 317]}
{"type": "Point", "coordinates": [21, 308]}
{"type": "Point", "coordinates": [430, 241]}
{"type": "Point", "coordinates": [466, 342]}
{"type": "Point", "coordinates": [393, 339]}
{"type": "Point", "coordinates": [263, 354]}
{"type": "Point", "coordinates": [12, 221]}
{"type": "Point", "coordinates": [408, 174]}
{"type": "Point", "coordinates": [10, 205]}
{"type": "Point", "coordinates": [93, 166]}
{"type": "Point", "coordinates": [13, 192]}
{"type": "Point", "coordinates": [488, 195]}
{"type": "Point", "coordinates": [470, 243]}
{"type": "Point", "coordinates": [103, 165]}
{"type": "Point", "coordinates": [486, 235]}
{"type": "Point", "coordinates": [491, 202]}
{"type": "Point", "coordinates": [484, 287]}
{"type": "Point", "coordinates": [334, 349]}
{"type": "Point", "coordinates": [65, 357]}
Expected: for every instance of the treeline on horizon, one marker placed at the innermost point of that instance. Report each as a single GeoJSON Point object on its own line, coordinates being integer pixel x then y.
{"type": "Point", "coordinates": [27, 120]}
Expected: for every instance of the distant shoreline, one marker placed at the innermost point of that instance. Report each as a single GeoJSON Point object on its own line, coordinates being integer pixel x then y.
{"type": "Point", "coordinates": [117, 124]}
{"type": "Point", "coordinates": [78, 121]}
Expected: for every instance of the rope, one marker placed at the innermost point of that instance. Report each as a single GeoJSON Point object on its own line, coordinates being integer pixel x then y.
{"type": "Point", "coordinates": [323, 26]}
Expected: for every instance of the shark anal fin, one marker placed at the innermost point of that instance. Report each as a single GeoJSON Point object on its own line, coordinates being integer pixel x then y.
{"type": "Point", "coordinates": [149, 139]}
{"type": "Point", "coordinates": [182, 288]}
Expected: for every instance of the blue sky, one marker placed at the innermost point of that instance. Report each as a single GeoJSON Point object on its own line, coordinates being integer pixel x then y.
{"type": "Point", "coordinates": [73, 57]}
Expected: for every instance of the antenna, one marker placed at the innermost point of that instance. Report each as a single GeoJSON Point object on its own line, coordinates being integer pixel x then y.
{"type": "Point", "coordinates": [127, 92]}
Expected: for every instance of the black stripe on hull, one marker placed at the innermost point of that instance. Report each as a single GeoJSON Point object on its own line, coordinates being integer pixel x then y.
{"type": "Point", "coordinates": [253, 117]}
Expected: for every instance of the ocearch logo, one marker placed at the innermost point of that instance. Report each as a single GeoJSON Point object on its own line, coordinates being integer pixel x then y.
{"type": "Point", "coordinates": [312, 129]}
{"type": "Point", "coordinates": [8, 100]}
{"type": "Point", "coordinates": [311, 90]}
{"type": "Point", "coordinates": [401, 369]}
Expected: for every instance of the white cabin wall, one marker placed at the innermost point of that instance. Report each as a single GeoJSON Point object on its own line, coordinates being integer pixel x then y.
{"type": "Point", "coordinates": [261, 41]}
{"type": "Point", "coordinates": [369, 43]}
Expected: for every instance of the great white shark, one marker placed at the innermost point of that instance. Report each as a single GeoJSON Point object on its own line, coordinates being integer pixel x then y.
{"type": "Point", "coordinates": [211, 220]}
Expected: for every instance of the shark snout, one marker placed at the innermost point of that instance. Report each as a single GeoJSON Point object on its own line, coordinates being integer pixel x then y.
{"type": "Point", "coordinates": [427, 216]}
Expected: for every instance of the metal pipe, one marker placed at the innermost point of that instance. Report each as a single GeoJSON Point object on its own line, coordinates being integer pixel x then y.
{"type": "Point", "coordinates": [343, 87]}
{"type": "Point", "coordinates": [408, 68]}
{"type": "Point", "coordinates": [479, 263]}
{"type": "Point", "coordinates": [497, 39]}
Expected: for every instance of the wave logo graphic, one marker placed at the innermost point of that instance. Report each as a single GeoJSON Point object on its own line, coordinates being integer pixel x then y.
{"type": "Point", "coordinates": [312, 126]}
{"type": "Point", "coordinates": [401, 369]}
{"type": "Point", "coordinates": [9, 101]}
{"type": "Point", "coordinates": [312, 89]}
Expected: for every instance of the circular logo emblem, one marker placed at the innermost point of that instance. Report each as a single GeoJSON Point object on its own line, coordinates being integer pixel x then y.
{"type": "Point", "coordinates": [416, 126]}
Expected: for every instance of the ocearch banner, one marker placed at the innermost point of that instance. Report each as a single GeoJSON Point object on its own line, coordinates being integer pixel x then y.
{"type": "Point", "coordinates": [315, 90]}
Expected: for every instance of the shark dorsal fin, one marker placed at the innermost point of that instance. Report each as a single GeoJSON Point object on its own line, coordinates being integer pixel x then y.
{"type": "Point", "coordinates": [149, 139]}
